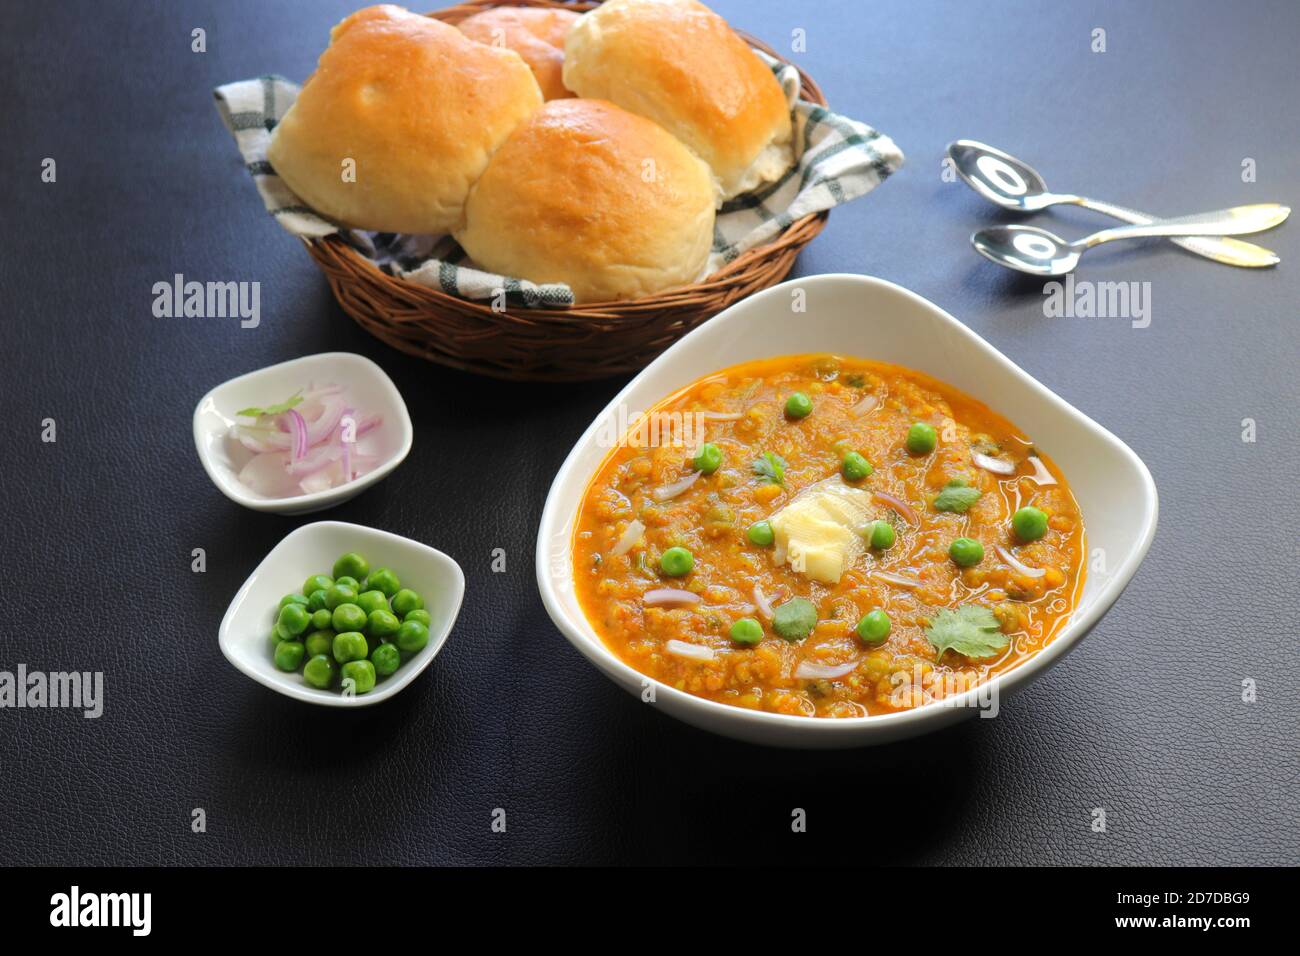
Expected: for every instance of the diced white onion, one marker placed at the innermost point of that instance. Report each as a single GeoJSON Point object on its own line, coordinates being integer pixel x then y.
{"type": "Point", "coordinates": [667, 492]}
{"type": "Point", "coordinates": [1041, 475]}
{"type": "Point", "coordinates": [721, 416]}
{"type": "Point", "coordinates": [807, 669]}
{"type": "Point", "coordinates": [1018, 566]}
{"type": "Point", "coordinates": [628, 539]}
{"type": "Point", "coordinates": [696, 652]}
{"type": "Point", "coordinates": [666, 597]}
{"type": "Point", "coordinates": [762, 603]}
{"type": "Point", "coordinates": [864, 406]}
{"type": "Point", "coordinates": [995, 465]}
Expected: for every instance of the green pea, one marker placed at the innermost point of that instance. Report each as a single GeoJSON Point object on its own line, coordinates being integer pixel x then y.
{"type": "Point", "coordinates": [761, 534]}
{"type": "Point", "coordinates": [348, 617]}
{"type": "Point", "coordinates": [386, 658]}
{"type": "Point", "coordinates": [317, 582]}
{"type": "Point", "coordinates": [292, 599]}
{"type": "Point", "coordinates": [319, 642]}
{"type": "Point", "coordinates": [795, 619]}
{"type": "Point", "coordinates": [320, 671]}
{"type": "Point", "coordinates": [881, 536]}
{"type": "Point", "coordinates": [350, 646]}
{"type": "Point", "coordinates": [351, 565]}
{"type": "Point", "coordinates": [747, 631]}
{"type": "Point", "coordinates": [921, 438]}
{"type": "Point", "coordinates": [382, 624]}
{"type": "Point", "coordinates": [411, 636]}
{"type": "Point", "coordinates": [855, 467]}
{"type": "Point", "coordinates": [278, 635]}
{"type": "Point", "coordinates": [421, 615]}
{"type": "Point", "coordinates": [966, 552]}
{"type": "Point", "coordinates": [373, 600]}
{"type": "Point", "coordinates": [288, 655]}
{"type": "Point", "coordinates": [382, 579]}
{"type": "Point", "coordinates": [316, 600]}
{"type": "Point", "coordinates": [874, 627]}
{"type": "Point", "coordinates": [348, 582]}
{"type": "Point", "coordinates": [405, 601]}
{"type": "Point", "coordinates": [708, 459]}
{"type": "Point", "coordinates": [340, 594]}
{"type": "Point", "coordinates": [293, 619]}
{"type": "Point", "coordinates": [322, 619]}
{"type": "Point", "coordinates": [798, 405]}
{"type": "Point", "coordinates": [676, 562]}
{"type": "Point", "coordinates": [1029, 524]}
{"type": "Point", "coordinates": [362, 675]}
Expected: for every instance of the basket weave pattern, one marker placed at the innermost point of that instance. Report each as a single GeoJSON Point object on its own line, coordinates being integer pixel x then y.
{"type": "Point", "coordinates": [570, 344]}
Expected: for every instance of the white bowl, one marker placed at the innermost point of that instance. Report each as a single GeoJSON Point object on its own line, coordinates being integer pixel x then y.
{"type": "Point", "coordinates": [245, 635]}
{"type": "Point", "coordinates": [369, 389]}
{"type": "Point", "coordinates": [867, 318]}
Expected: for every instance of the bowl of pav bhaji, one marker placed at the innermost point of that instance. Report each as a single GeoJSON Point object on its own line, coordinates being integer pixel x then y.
{"type": "Point", "coordinates": [834, 516]}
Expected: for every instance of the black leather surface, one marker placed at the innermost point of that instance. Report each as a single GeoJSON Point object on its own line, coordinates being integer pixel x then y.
{"type": "Point", "coordinates": [1143, 720]}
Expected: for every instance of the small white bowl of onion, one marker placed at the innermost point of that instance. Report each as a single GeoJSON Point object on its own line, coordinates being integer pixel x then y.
{"type": "Point", "coordinates": [304, 435]}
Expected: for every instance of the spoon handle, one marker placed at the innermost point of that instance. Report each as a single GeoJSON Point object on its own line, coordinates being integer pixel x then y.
{"type": "Point", "coordinates": [1239, 220]}
{"type": "Point", "coordinates": [1231, 252]}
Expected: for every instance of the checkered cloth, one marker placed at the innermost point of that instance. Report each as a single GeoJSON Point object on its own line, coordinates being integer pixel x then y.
{"type": "Point", "coordinates": [839, 159]}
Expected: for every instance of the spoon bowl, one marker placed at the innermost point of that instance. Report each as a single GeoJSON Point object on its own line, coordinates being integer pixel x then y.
{"type": "Point", "coordinates": [1001, 178]}
{"type": "Point", "coordinates": [1026, 249]}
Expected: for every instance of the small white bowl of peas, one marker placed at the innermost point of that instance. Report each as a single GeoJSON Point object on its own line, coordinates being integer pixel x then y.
{"type": "Point", "coordinates": [342, 615]}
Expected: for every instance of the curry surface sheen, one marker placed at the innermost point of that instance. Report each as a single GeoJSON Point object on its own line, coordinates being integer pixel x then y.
{"type": "Point", "coordinates": [857, 406]}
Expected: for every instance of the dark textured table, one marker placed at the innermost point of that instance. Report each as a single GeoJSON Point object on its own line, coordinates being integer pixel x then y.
{"type": "Point", "coordinates": [1145, 719]}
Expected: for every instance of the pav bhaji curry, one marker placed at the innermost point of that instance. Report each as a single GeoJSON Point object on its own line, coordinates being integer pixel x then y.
{"type": "Point", "coordinates": [828, 537]}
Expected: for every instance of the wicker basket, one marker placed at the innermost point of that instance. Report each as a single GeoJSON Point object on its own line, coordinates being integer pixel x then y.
{"type": "Point", "coordinates": [589, 341]}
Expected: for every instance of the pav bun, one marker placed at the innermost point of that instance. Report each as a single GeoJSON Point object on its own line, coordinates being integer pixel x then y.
{"type": "Point", "coordinates": [412, 108]}
{"type": "Point", "coordinates": [585, 193]}
{"type": "Point", "coordinates": [679, 63]}
{"type": "Point", "coordinates": [535, 33]}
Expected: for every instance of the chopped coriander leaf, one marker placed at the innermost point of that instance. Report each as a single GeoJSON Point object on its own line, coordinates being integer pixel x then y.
{"type": "Point", "coordinates": [972, 631]}
{"type": "Point", "coordinates": [855, 381]}
{"type": "Point", "coordinates": [255, 412]}
{"type": "Point", "coordinates": [956, 496]}
{"type": "Point", "coordinates": [771, 466]}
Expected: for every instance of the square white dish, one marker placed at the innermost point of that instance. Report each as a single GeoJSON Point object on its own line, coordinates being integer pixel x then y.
{"type": "Point", "coordinates": [245, 635]}
{"type": "Point", "coordinates": [868, 318]}
{"type": "Point", "coordinates": [369, 389]}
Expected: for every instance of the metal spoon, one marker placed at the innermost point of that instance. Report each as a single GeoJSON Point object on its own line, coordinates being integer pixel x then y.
{"type": "Point", "coordinates": [1042, 253]}
{"type": "Point", "coordinates": [1012, 184]}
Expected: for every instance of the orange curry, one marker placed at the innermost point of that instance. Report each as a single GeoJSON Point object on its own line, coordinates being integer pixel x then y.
{"type": "Point", "coordinates": [826, 536]}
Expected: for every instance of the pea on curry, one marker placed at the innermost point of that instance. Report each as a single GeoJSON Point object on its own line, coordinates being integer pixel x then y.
{"type": "Point", "coordinates": [826, 536]}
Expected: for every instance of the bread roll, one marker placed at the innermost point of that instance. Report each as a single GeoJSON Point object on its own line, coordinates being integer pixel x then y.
{"type": "Point", "coordinates": [678, 63]}
{"type": "Point", "coordinates": [535, 33]}
{"type": "Point", "coordinates": [588, 194]}
{"type": "Point", "coordinates": [415, 105]}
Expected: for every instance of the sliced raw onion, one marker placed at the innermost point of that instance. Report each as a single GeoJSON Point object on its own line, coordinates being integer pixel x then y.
{"type": "Point", "coordinates": [1041, 475]}
{"type": "Point", "coordinates": [668, 492]}
{"type": "Point", "coordinates": [348, 472]}
{"type": "Point", "coordinates": [298, 430]}
{"type": "Point", "coordinates": [1019, 566]}
{"type": "Point", "coordinates": [628, 539]}
{"type": "Point", "coordinates": [898, 504]}
{"type": "Point", "coordinates": [864, 406]}
{"type": "Point", "coordinates": [320, 457]}
{"type": "Point", "coordinates": [995, 465]}
{"type": "Point", "coordinates": [901, 580]}
{"type": "Point", "coordinates": [807, 669]}
{"type": "Point", "coordinates": [762, 603]}
{"type": "Point", "coordinates": [670, 597]}
{"type": "Point", "coordinates": [696, 652]}
{"type": "Point", "coordinates": [721, 416]}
